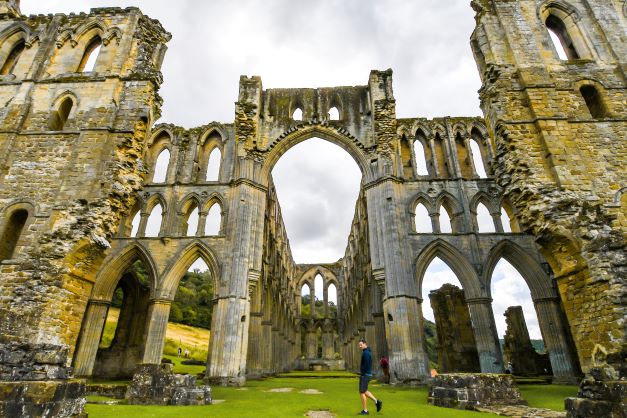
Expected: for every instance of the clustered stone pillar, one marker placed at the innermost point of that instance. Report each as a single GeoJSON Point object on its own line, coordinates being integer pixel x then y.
{"type": "Point", "coordinates": [94, 321]}
{"type": "Point", "coordinates": [457, 349]}
{"type": "Point", "coordinates": [488, 346]}
{"type": "Point", "coordinates": [518, 348]}
{"type": "Point", "coordinates": [158, 313]}
{"type": "Point", "coordinates": [557, 340]}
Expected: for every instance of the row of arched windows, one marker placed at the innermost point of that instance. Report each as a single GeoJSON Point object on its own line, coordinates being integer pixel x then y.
{"type": "Point", "coordinates": [332, 114]}
{"type": "Point", "coordinates": [193, 220]}
{"type": "Point", "coordinates": [212, 172]}
{"type": "Point", "coordinates": [431, 156]}
{"type": "Point", "coordinates": [441, 220]}
{"type": "Point", "coordinates": [87, 62]}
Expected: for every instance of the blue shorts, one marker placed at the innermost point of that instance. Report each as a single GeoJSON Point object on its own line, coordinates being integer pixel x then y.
{"type": "Point", "coordinates": [363, 383]}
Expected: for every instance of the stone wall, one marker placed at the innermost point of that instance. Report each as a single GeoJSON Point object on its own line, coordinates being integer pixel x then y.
{"type": "Point", "coordinates": [457, 348]}
{"type": "Point", "coordinates": [561, 166]}
{"type": "Point", "coordinates": [518, 349]}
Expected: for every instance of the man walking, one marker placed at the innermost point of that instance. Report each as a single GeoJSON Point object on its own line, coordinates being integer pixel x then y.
{"type": "Point", "coordinates": [365, 371]}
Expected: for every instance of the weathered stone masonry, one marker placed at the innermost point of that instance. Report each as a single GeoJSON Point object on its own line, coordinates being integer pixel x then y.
{"type": "Point", "coordinates": [78, 156]}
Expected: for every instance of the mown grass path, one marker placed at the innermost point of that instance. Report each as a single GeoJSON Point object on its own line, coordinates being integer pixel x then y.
{"type": "Point", "coordinates": [339, 395]}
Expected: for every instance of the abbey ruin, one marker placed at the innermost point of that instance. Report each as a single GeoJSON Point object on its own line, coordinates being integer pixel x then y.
{"type": "Point", "coordinates": [79, 147]}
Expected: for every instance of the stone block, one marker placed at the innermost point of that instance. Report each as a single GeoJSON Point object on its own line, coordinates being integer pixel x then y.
{"type": "Point", "coordinates": [467, 391]}
{"type": "Point", "coordinates": [57, 399]}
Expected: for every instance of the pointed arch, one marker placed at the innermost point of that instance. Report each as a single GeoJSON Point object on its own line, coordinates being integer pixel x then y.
{"type": "Point", "coordinates": [534, 275]}
{"type": "Point", "coordinates": [326, 133]}
{"type": "Point", "coordinates": [13, 57]}
{"type": "Point", "coordinates": [563, 19]}
{"type": "Point", "coordinates": [180, 264]}
{"type": "Point", "coordinates": [63, 108]}
{"type": "Point", "coordinates": [297, 114]}
{"type": "Point", "coordinates": [214, 164]}
{"type": "Point", "coordinates": [189, 205]}
{"type": "Point", "coordinates": [161, 166]}
{"type": "Point", "coordinates": [455, 260]}
{"type": "Point", "coordinates": [15, 220]}
{"type": "Point", "coordinates": [115, 265]}
{"type": "Point", "coordinates": [90, 56]}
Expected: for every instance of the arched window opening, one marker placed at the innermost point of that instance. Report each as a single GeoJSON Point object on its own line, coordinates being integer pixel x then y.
{"type": "Point", "coordinates": [61, 115]}
{"type": "Point", "coordinates": [214, 220]}
{"type": "Point", "coordinates": [88, 62]}
{"type": "Point", "coordinates": [13, 58]}
{"type": "Point", "coordinates": [422, 219]}
{"type": "Point", "coordinates": [125, 325]}
{"type": "Point", "coordinates": [406, 158]}
{"type": "Point", "coordinates": [12, 232]}
{"type": "Point", "coordinates": [485, 223]}
{"type": "Point", "coordinates": [463, 157]}
{"type": "Point", "coordinates": [421, 160]}
{"type": "Point", "coordinates": [161, 167]}
{"type": "Point", "coordinates": [593, 101]}
{"type": "Point", "coordinates": [213, 165]}
{"type": "Point", "coordinates": [332, 299]}
{"type": "Point", "coordinates": [298, 114]}
{"type": "Point", "coordinates": [561, 38]}
{"type": "Point", "coordinates": [305, 301]}
{"type": "Point", "coordinates": [153, 226]}
{"type": "Point", "coordinates": [192, 222]}
{"type": "Point", "coordinates": [319, 294]}
{"type": "Point", "coordinates": [135, 223]}
{"type": "Point", "coordinates": [509, 290]}
{"type": "Point", "coordinates": [334, 113]}
{"type": "Point", "coordinates": [192, 306]}
{"type": "Point", "coordinates": [506, 221]}
{"type": "Point", "coordinates": [445, 221]}
{"type": "Point", "coordinates": [437, 275]}
{"type": "Point", "coordinates": [477, 159]}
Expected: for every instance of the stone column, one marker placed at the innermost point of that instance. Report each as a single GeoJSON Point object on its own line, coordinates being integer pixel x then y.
{"type": "Point", "coordinates": [471, 156]}
{"type": "Point", "coordinates": [254, 343]}
{"type": "Point", "coordinates": [434, 157]}
{"type": "Point", "coordinates": [143, 221]}
{"type": "Point", "coordinates": [311, 342]}
{"type": "Point", "coordinates": [158, 313]}
{"type": "Point", "coordinates": [554, 334]}
{"type": "Point", "coordinates": [95, 318]}
{"type": "Point", "coordinates": [488, 346]}
{"type": "Point", "coordinates": [202, 221]}
{"type": "Point", "coordinates": [229, 330]}
{"type": "Point", "coordinates": [265, 343]}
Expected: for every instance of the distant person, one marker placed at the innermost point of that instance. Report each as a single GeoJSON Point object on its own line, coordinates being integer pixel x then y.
{"type": "Point", "coordinates": [509, 369]}
{"type": "Point", "coordinates": [179, 352]}
{"type": "Point", "coordinates": [434, 372]}
{"type": "Point", "coordinates": [385, 366]}
{"type": "Point", "coordinates": [186, 353]}
{"type": "Point", "coordinates": [365, 371]}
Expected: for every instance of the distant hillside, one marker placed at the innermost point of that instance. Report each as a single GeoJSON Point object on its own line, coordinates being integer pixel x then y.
{"type": "Point", "coordinates": [191, 304]}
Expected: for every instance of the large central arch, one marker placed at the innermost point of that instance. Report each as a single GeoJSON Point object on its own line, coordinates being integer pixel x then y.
{"type": "Point", "coordinates": [283, 144]}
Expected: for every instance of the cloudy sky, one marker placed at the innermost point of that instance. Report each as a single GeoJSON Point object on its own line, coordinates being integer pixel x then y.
{"type": "Point", "coordinates": [296, 43]}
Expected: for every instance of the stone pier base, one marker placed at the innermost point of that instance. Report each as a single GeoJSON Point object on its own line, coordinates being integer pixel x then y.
{"type": "Point", "coordinates": [156, 384]}
{"type": "Point", "coordinates": [467, 391]}
{"type": "Point", "coordinates": [58, 399]}
{"type": "Point", "coordinates": [599, 397]}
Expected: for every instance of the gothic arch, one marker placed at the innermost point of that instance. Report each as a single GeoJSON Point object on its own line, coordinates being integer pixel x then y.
{"type": "Point", "coordinates": [115, 266]}
{"type": "Point", "coordinates": [161, 132]}
{"type": "Point", "coordinates": [190, 198]}
{"type": "Point", "coordinates": [423, 199]}
{"type": "Point", "coordinates": [281, 146]}
{"type": "Point", "coordinates": [483, 197]}
{"type": "Point", "coordinates": [461, 129]}
{"type": "Point", "coordinates": [153, 201]}
{"type": "Point", "coordinates": [179, 265]}
{"type": "Point", "coordinates": [213, 128]}
{"type": "Point", "coordinates": [457, 262]}
{"type": "Point", "coordinates": [534, 275]}
{"type": "Point", "coordinates": [446, 199]}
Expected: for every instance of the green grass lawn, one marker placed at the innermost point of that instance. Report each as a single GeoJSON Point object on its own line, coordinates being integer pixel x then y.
{"type": "Point", "coordinates": [339, 396]}
{"type": "Point", "coordinates": [547, 396]}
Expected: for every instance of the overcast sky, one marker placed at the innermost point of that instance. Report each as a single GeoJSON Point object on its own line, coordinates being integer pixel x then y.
{"type": "Point", "coordinates": [296, 43]}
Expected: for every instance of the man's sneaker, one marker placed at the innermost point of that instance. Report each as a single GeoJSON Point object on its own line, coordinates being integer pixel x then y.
{"type": "Point", "coordinates": [363, 413]}
{"type": "Point", "coordinates": [379, 405]}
